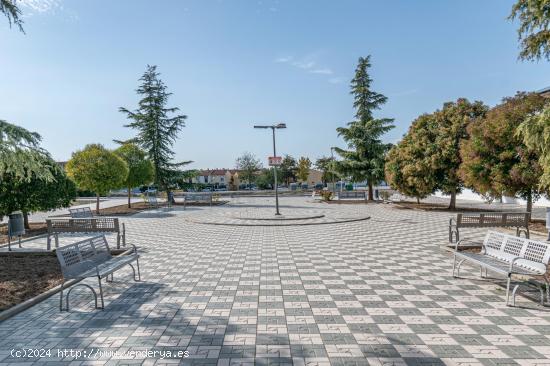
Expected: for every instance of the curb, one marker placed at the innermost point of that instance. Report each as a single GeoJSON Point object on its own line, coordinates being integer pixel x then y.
{"type": "Point", "coordinates": [14, 310]}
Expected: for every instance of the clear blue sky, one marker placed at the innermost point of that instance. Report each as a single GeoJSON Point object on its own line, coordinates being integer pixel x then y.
{"type": "Point", "coordinates": [233, 63]}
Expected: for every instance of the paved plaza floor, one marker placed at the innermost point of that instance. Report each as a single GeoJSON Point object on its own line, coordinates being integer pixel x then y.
{"type": "Point", "coordinates": [369, 292]}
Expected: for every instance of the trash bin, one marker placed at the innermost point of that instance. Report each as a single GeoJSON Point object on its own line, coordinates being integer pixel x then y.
{"type": "Point", "coordinates": [16, 227]}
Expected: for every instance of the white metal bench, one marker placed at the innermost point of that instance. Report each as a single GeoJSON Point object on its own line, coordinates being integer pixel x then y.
{"type": "Point", "coordinates": [81, 212]}
{"type": "Point", "coordinates": [197, 197]}
{"type": "Point", "coordinates": [508, 255]}
{"type": "Point", "coordinates": [92, 258]}
{"type": "Point", "coordinates": [519, 220]}
{"type": "Point", "coordinates": [88, 225]}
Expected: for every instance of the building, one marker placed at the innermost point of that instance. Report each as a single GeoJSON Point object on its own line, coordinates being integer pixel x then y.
{"type": "Point", "coordinates": [228, 178]}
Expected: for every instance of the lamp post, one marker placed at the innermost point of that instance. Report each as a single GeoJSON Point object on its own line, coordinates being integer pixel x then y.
{"type": "Point", "coordinates": [273, 128]}
{"type": "Point", "coordinates": [332, 172]}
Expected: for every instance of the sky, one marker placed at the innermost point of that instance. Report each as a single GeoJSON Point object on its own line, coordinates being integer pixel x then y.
{"type": "Point", "coordinates": [231, 64]}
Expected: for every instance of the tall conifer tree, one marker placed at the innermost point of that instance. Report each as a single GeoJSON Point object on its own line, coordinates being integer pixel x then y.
{"type": "Point", "coordinates": [157, 125]}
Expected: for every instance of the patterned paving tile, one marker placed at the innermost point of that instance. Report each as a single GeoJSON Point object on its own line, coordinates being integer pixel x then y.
{"type": "Point", "coordinates": [374, 292]}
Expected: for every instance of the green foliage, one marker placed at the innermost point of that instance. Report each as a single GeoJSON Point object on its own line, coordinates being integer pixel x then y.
{"type": "Point", "coordinates": [264, 180]}
{"type": "Point", "coordinates": [10, 9]}
{"type": "Point", "coordinates": [36, 194]}
{"type": "Point", "coordinates": [409, 167]}
{"type": "Point", "coordinates": [302, 170]}
{"type": "Point", "coordinates": [21, 156]}
{"type": "Point", "coordinates": [97, 169]}
{"type": "Point", "coordinates": [288, 169]}
{"type": "Point", "coordinates": [535, 134]}
{"type": "Point", "coordinates": [364, 159]}
{"type": "Point", "coordinates": [451, 124]}
{"type": "Point", "coordinates": [328, 166]}
{"type": "Point", "coordinates": [140, 169]}
{"type": "Point", "coordinates": [248, 165]}
{"type": "Point", "coordinates": [533, 32]}
{"type": "Point", "coordinates": [157, 129]}
{"type": "Point", "coordinates": [495, 159]}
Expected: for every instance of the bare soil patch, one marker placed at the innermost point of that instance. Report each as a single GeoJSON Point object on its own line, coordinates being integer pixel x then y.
{"type": "Point", "coordinates": [25, 275]}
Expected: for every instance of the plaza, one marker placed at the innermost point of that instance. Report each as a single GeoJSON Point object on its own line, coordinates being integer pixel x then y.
{"type": "Point", "coordinates": [376, 291]}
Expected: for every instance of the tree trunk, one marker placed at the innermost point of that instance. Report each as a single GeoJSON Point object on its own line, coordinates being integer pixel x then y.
{"type": "Point", "coordinates": [371, 196]}
{"type": "Point", "coordinates": [26, 220]}
{"type": "Point", "coordinates": [97, 204]}
{"type": "Point", "coordinates": [530, 202]}
{"type": "Point", "coordinates": [129, 198]}
{"type": "Point", "coordinates": [418, 200]}
{"type": "Point", "coordinates": [452, 204]}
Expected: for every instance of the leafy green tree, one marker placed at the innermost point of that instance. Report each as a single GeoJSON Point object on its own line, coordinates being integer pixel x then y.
{"type": "Point", "coordinates": [97, 169]}
{"type": "Point", "coordinates": [20, 154]}
{"type": "Point", "coordinates": [534, 29]}
{"type": "Point", "coordinates": [409, 167]}
{"type": "Point", "coordinates": [10, 9]}
{"type": "Point", "coordinates": [452, 123]}
{"type": "Point", "coordinates": [326, 166]}
{"type": "Point", "coordinates": [288, 169]}
{"type": "Point", "coordinates": [140, 169]}
{"type": "Point", "coordinates": [495, 159]}
{"type": "Point", "coordinates": [157, 127]}
{"type": "Point", "coordinates": [249, 166]}
{"type": "Point", "coordinates": [36, 194]}
{"type": "Point", "coordinates": [364, 159]}
{"type": "Point", "coordinates": [535, 133]}
{"type": "Point", "coordinates": [264, 180]}
{"type": "Point", "coordinates": [302, 170]}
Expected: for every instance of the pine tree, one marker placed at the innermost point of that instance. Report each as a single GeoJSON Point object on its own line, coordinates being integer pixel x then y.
{"type": "Point", "coordinates": [365, 158]}
{"type": "Point", "coordinates": [157, 127]}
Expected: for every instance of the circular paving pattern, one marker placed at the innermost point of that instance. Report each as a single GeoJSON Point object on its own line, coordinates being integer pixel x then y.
{"type": "Point", "coordinates": [267, 217]}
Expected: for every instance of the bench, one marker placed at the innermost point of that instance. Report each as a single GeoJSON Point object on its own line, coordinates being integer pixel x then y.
{"type": "Point", "coordinates": [197, 197]}
{"type": "Point", "coordinates": [351, 194]}
{"type": "Point", "coordinates": [92, 258]}
{"type": "Point", "coordinates": [81, 212]}
{"type": "Point", "coordinates": [152, 201]}
{"type": "Point", "coordinates": [519, 220]}
{"type": "Point", "coordinates": [93, 225]}
{"type": "Point", "coordinates": [508, 255]}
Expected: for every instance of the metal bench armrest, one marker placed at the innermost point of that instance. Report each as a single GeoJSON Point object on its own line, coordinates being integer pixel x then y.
{"type": "Point", "coordinates": [511, 269]}
{"type": "Point", "coordinates": [452, 221]}
{"type": "Point", "coordinates": [461, 241]}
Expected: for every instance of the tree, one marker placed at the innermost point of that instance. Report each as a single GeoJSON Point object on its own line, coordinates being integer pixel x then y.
{"type": "Point", "coordinates": [36, 194]}
{"type": "Point", "coordinates": [248, 166]}
{"type": "Point", "coordinates": [409, 167]}
{"type": "Point", "coordinates": [326, 166]}
{"type": "Point", "coordinates": [157, 127]}
{"type": "Point", "coordinates": [264, 180]}
{"type": "Point", "coordinates": [534, 29]}
{"type": "Point", "coordinates": [495, 159]}
{"type": "Point", "coordinates": [21, 154]}
{"type": "Point", "coordinates": [140, 169]}
{"type": "Point", "coordinates": [288, 169]}
{"type": "Point", "coordinates": [365, 157]}
{"type": "Point", "coordinates": [10, 9]}
{"type": "Point", "coordinates": [302, 170]}
{"type": "Point", "coordinates": [451, 123]}
{"type": "Point", "coordinates": [535, 133]}
{"type": "Point", "coordinates": [97, 169]}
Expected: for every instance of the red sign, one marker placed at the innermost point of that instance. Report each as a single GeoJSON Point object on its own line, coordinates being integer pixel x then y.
{"type": "Point", "coordinates": [275, 160]}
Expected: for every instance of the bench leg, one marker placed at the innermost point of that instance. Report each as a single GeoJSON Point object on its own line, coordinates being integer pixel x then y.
{"type": "Point", "coordinates": [458, 268]}
{"type": "Point", "coordinates": [134, 270]}
{"type": "Point", "coordinates": [508, 288]}
{"type": "Point", "coordinates": [100, 293]}
{"type": "Point", "coordinates": [453, 232]}
{"type": "Point", "coordinates": [61, 297]}
{"type": "Point", "coordinates": [514, 295]}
